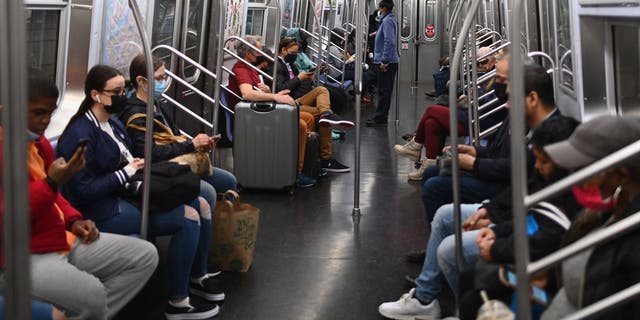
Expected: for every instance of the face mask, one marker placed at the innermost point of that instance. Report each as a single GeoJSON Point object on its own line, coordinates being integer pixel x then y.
{"type": "Point", "coordinates": [259, 60]}
{"type": "Point", "coordinates": [32, 136]}
{"type": "Point", "coordinates": [159, 87]}
{"type": "Point", "coordinates": [378, 16]}
{"type": "Point", "coordinates": [118, 103]}
{"type": "Point", "coordinates": [591, 198]}
{"type": "Point", "coordinates": [291, 58]}
{"type": "Point", "coordinates": [500, 90]}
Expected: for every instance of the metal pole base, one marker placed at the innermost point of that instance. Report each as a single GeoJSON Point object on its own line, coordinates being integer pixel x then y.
{"type": "Point", "coordinates": [356, 212]}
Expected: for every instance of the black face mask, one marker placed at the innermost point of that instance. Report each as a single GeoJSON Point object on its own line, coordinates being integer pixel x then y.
{"type": "Point", "coordinates": [118, 103]}
{"type": "Point", "coordinates": [259, 60]}
{"type": "Point", "coordinates": [291, 58]}
{"type": "Point", "coordinates": [500, 90]}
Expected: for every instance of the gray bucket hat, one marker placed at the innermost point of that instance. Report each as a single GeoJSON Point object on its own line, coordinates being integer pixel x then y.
{"type": "Point", "coordinates": [594, 140]}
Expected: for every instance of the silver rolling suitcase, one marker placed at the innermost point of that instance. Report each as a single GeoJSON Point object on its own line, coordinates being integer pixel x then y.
{"type": "Point", "coordinates": [265, 145]}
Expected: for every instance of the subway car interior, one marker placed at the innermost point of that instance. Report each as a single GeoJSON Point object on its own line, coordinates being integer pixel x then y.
{"type": "Point", "coordinates": [344, 235]}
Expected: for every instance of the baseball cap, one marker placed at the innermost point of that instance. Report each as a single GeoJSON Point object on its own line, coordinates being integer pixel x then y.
{"type": "Point", "coordinates": [594, 140]}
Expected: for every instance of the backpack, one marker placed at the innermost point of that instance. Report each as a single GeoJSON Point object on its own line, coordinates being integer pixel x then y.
{"type": "Point", "coordinates": [440, 80]}
{"type": "Point", "coordinates": [311, 167]}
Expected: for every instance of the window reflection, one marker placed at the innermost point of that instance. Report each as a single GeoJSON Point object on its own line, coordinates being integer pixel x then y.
{"type": "Point", "coordinates": [42, 40]}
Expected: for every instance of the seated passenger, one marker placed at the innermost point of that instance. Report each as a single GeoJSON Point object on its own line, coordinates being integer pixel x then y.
{"type": "Point", "coordinates": [98, 188]}
{"type": "Point", "coordinates": [221, 180]}
{"type": "Point", "coordinates": [608, 198]}
{"type": "Point", "coordinates": [433, 127]}
{"type": "Point", "coordinates": [315, 101]}
{"type": "Point", "coordinates": [440, 259]}
{"type": "Point", "coordinates": [246, 83]}
{"type": "Point", "coordinates": [337, 60]}
{"type": "Point", "coordinates": [85, 273]}
{"type": "Point", "coordinates": [489, 168]}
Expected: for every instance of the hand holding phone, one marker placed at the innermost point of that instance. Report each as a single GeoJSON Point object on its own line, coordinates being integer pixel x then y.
{"type": "Point", "coordinates": [82, 142]}
{"type": "Point", "coordinates": [216, 138]}
{"type": "Point", "coordinates": [312, 70]}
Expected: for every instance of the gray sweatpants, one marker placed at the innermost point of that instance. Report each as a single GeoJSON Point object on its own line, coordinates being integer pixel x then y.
{"type": "Point", "coordinates": [93, 281]}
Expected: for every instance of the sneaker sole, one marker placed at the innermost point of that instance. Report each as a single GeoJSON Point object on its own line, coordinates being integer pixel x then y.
{"type": "Point", "coordinates": [337, 170]}
{"type": "Point", "coordinates": [337, 125]}
{"type": "Point", "coordinates": [208, 296]}
{"type": "Point", "coordinates": [409, 317]}
{"type": "Point", "coordinates": [196, 316]}
{"type": "Point", "coordinates": [410, 178]}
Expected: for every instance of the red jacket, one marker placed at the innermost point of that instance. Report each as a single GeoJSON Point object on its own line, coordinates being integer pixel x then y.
{"type": "Point", "coordinates": [47, 229]}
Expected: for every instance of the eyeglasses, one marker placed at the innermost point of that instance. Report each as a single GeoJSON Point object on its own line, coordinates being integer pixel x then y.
{"type": "Point", "coordinates": [483, 61]}
{"type": "Point", "coordinates": [116, 91]}
{"type": "Point", "coordinates": [161, 77]}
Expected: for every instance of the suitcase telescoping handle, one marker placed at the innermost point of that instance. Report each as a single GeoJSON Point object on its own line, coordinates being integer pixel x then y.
{"type": "Point", "coordinates": [263, 106]}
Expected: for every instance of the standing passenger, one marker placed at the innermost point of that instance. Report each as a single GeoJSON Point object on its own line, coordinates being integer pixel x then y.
{"type": "Point", "coordinates": [386, 59]}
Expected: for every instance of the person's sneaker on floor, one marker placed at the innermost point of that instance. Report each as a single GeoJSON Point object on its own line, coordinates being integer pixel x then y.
{"type": "Point", "coordinates": [185, 310]}
{"type": "Point", "coordinates": [330, 119]}
{"type": "Point", "coordinates": [419, 173]}
{"type": "Point", "coordinates": [305, 181]}
{"type": "Point", "coordinates": [322, 173]}
{"type": "Point", "coordinates": [409, 308]}
{"type": "Point", "coordinates": [332, 165]}
{"type": "Point", "coordinates": [411, 150]}
{"type": "Point", "coordinates": [207, 287]}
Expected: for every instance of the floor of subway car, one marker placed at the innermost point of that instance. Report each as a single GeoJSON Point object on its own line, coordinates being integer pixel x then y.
{"type": "Point", "coordinates": [313, 259]}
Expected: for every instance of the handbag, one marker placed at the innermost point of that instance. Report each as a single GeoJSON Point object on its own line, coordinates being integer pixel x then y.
{"type": "Point", "coordinates": [199, 162]}
{"type": "Point", "coordinates": [235, 228]}
{"type": "Point", "coordinates": [171, 185]}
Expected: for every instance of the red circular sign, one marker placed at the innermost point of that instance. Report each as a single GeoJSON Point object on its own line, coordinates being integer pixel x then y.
{"type": "Point", "coordinates": [430, 31]}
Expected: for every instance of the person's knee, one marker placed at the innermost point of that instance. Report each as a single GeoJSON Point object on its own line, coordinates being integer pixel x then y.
{"type": "Point", "coordinates": [205, 209]}
{"type": "Point", "coordinates": [191, 214]}
{"type": "Point", "coordinates": [443, 216]}
{"type": "Point", "coordinates": [446, 255]}
{"type": "Point", "coordinates": [93, 304]}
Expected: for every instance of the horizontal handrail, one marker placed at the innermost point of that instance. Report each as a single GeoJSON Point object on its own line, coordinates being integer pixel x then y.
{"type": "Point", "coordinates": [188, 111]}
{"type": "Point", "coordinates": [183, 56]}
{"type": "Point", "coordinates": [194, 89]}
{"type": "Point", "coordinates": [491, 130]}
{"type": "Point", "coordinates": [487, 35]}
{"type": "Point", "coordinates": [603, 164]}
{"type": "Point", "coordinates": [494, 110]}
{"type": "Point", "coordinates": [610, 301]}
{"type": "Point", "coordinates": [611, 232]}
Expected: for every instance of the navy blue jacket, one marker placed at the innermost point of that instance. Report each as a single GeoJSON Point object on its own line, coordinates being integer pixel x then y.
{"type": "Point", "coordinates": [95, 190]}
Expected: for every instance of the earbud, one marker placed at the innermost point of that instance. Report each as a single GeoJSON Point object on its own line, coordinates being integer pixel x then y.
{"type": "Point", "coordinates": [98, 98]}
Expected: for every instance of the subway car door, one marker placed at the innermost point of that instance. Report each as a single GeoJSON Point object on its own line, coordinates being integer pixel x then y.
{"type": "Point", "coordinates": [182, 24]}
{"type": "Point", "coordinates": [420, 41]}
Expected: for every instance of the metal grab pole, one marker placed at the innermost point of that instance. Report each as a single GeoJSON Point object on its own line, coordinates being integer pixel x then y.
{"type": "Point", "coordinates": [148, 135]}
{"type": "Point", "coordinates": [453, 123]}
{"type": "Point", "coordinates": [276, 40]}
{"type": "Point", "coordinates": [518, 161]}
{"type": "Point", "coordinates": [219, 63]}
{"type": "Point", "coordinates": [13, 94]}
{"type": "Point", "coordinates": [357, 87]}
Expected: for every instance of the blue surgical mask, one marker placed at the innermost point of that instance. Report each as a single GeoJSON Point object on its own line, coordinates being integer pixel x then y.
{"type": "Point", "coordinates": [160, 86]}
{"type": "Point", "coordinates": [32, 135]}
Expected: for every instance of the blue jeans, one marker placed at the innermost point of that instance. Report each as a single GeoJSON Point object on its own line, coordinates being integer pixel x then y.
{"type": "Point", "coordinates": [441, 251]}
{"type": "Point", "coordinates": [437, 190]}
{"type": "Point", "coordinates": [39, 310]}
{"type": "Point", "coordinates": [222, 180]}
{"type": "Point", "coordinates": [386, 80]}
{"type": "Point", "coordinates": [189, 245]}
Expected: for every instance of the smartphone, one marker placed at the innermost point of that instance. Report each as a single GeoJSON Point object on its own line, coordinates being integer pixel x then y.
{"type": "Point", "coordinates": [82, 142]}
{"type": "Point", "coordinates": [216, 138]}
{"type": "Point", "coordinates": [313, 69]}
{"type": "Point", "coordinates": [538, 294]}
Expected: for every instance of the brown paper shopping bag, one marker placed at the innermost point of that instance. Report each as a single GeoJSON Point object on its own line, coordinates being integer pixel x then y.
{"type": "Point", "coordinates": [235, 228]}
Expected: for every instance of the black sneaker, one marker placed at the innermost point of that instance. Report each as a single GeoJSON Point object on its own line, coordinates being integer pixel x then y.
{"type": "Point", "coordinates": [208, 290]}
{"type": "Point", "coordinates": [191, 312]}
{"type": "Point", "coordinates": [334, 121]}
{"type": "Point", "coordinates": [332, 165]}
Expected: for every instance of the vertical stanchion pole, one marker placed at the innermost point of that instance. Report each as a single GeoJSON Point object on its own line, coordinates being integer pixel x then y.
{"type": "Point", "coordinates": [148, 135]}
{"type": "Point", "coordinates": [219, 62]}
{"type": "Point", "coordinates": [518, 160]}
{"type": "Point", "coordinates": [13, 95]}
{"type": "Point", "coordinates": [276, 40]}
{"type": "Point", "coordinates": [455, 63]}
{"type": "Point", "coordinates": [360, 33]}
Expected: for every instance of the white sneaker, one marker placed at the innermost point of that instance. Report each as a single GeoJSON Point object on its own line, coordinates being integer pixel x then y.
{"type": "Point", "coordinates": [417, 175]}
{"type": "Point", "coordinates": [411, 150]}
{"type": "Point", "coordinates": [409, 308]}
